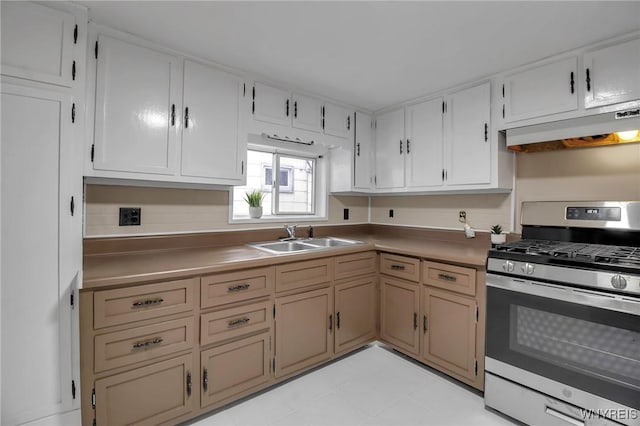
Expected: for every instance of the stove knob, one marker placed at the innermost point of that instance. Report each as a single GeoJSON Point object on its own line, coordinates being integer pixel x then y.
{"type": "Point", "coordinates": [528, 268]}
{"type": "Point", "coordinates": [618, 281]}
{"type": "Point", "coordinates": [508, 266]}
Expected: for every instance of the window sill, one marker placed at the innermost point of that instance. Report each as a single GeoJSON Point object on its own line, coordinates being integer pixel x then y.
{"type": "Point", "coordinates": [279, 219]}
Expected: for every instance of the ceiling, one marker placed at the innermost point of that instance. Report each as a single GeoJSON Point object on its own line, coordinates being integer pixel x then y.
{"type": "Point", "coordinates": [371, 54]}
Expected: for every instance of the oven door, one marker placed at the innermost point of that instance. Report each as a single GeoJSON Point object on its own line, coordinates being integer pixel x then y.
{"type": "Point", "coordinates": [584, 339]}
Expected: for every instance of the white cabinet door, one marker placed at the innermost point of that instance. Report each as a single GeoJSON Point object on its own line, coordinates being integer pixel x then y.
{"type": "Point", "coordinates": [468, 136]}
{"type": "Point", "coordinates": [336, 120]}
{"type": "Point", "coordinates": [543, 90]}
{"type": "Point", "coordinates": [390, 149]}
{"type": "Point", "coordinates": [306, 113]}
{"type": "Point", "coordinates": [271, 104]}
{"type": "Point", "coordinates": [210, 131]}
{"type": "Point", "coordinates": [423, 129]}
{"type": "Point", "coordinates": [137, 108]}
{"type": "Point", "coordinates": [612, 74]}
{"type": "Point", "coordinates": [37, 42]}
{"type": "Point", "coordinates": [362, 151]}
{"type": "Point", "coordinates": [37, 274]}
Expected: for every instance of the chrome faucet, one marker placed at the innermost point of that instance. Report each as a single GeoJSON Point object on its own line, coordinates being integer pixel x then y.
{"type": "Point", "coordinates": [291, 231]}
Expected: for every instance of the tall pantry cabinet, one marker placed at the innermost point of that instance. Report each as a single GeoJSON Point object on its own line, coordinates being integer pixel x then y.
{"type": "Point", "coordinates": [41, 101]}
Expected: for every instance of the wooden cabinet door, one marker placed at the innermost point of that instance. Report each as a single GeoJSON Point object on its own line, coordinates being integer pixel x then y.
{"type": "Point", "coordinates": [137, 108]}
{"type": "Point", "coordinates": [210, 139]}
{"type": "Point", "coordinates": [612, 74]}
{"type": "Point", "coordinates": [468, 140]}
{"type": "Point", "coordinates": [271, 104]}
{"type": "Point", "coordinates": [234, 368]}
{"type": "Point", "coordinates": [39, 230]}
{"type": "Point", "coordinates": [423, 127]}
{"type": "Point", "coordinates": [304, 330]}
{"type": "Point", "coordinates": [306, 113]}
{"type": "Point", "coordinates": [399, 304]}
{"type": "Point", "coordinates": [390, 149]}
{"type": "Point", "coordinates": [362, 151]}
{"type": "Point", "coordinates": [148, 395]}
{"type": "Point", "coordinates": [449, 331]}
{"type": "Point", "coordinates": [336, 120]}
{"type": "Point", "coordinates": [546, 89]}
{"type": "Point", "coordinates": [355, 313]}
{"type": "Point", "coordinates": [37, 42]}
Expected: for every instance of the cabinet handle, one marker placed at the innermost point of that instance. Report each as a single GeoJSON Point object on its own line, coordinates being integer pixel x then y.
{"type": "Point", "coordinates": [358, 149]}
{"type": "Point", "coordinates": [173, 114]}
{"type": "Point", "coordinates": [330, 323]}
{"type": "Point", "coordinates": [148, 343]}
{"type": "Point", "coordinates": [408, 146]}
{"type": "Point", "coordinates": [186, 118]}
{"type": "Point", "coordinates": [572, 83]}
{"type": "Point", "coordinates": [73, 71]}
{"type": "Point", "coordinates": [588, 80]}
{"type": "Point", "coordinates": [400, 146]}
{"type": "Point", "coordinates": [189, 384]}
{"type": "Point", "coordinates": [295, 109]}
{"type": "Point", "coordinates": [398, 267]}
{"type": "Point", "coordinates": [348, 122]}
{"type": "Point", "coordinates": [239, 287]}
{"type": "Point", "coordinates": [145, 303]}
{"type": "Point", "coordinates": [338, 321]}
{"type": "Point", "coordinates": [237, 322]}
{"type": "Point", "coordinates": [424, 324]}
{"type": "Point", "coordinates": [287, 107]}
{"type": "Point", "coordinates": [486, 132]}
{"type": "Point", "coordinates": [205, 379]}
{"type": "Point", "coordinates": [415, 321]}
{"type": "Point", "coordinates": [447, 277]}
{"type": "Point", "coordinates": [73, 205]}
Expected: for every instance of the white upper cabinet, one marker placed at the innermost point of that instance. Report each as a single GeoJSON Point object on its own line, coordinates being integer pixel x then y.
{"type": "Point", "coordinates": [543, 90]}
{"type": "Point", "coordinates": [210, 136]}
{"type": "Point", "coordinates": [612, 74]}
{"type": "Point", "coordinates": [306, 112]}
{"type": "Point", "coordinates": [363, 144]}
{"type": "Point", "coordinates": [271, 104]}
{"type": "Point", "coordinates": [336, 120]}
{"type": "Point", "coordinates": [37, 42]}
{"type": "Point", "coordinates": [390, 149]}
{"type": "Point", "coordinates": [424, 133]}
{"type": "Point", "coordinates": [468, 136]}
{"type": "Point", "coordinates": [137, 108]}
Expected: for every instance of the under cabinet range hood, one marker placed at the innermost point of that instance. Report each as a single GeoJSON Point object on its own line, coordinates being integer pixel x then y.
{"type": "Point", "coordinates": [596, 130]}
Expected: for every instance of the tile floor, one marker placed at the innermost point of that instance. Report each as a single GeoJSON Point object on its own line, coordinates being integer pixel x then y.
{"type": "Point", "coordinates": [371, 387]}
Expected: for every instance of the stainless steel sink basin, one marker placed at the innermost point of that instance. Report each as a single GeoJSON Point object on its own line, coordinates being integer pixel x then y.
{"type": "Point", "coordinates": [297, 246]}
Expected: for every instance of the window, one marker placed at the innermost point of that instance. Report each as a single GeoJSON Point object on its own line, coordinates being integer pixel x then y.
{"type": "Point", "coordinates": [290, 191]}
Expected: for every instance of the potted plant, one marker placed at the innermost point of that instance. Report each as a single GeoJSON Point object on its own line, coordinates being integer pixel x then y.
{"type": "Point", "coordinates": [497, 237]}
{"type": "Point", "coordinates": [254, 199]}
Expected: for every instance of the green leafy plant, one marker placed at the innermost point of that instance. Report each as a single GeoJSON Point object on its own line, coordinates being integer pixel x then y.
{"type": "Point", "coordinates": [496, 229]}
{"type": "Point", "coordinates": [254, 198]}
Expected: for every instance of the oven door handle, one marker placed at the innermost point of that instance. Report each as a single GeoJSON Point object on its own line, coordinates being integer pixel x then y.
{"type": "Point", "coordinates": [562, 416]}
{"type": "Point", "coordinates": [568, 294]}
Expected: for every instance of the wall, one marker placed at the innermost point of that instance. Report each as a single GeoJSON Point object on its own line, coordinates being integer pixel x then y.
{"type": "Point", "coordinates": [185, 210]}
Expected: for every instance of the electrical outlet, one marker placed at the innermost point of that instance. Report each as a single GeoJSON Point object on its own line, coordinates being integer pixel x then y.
{"type": "Point", "coordinates": [462, 216]}
{"type": "Point", "coordinates": [130, 216]}
{"type": "Point", "coordinates": [345, 214]}
{"type": "Point", "coordinates": [390, 212]}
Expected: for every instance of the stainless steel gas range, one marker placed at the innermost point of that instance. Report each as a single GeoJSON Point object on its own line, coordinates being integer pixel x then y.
{"type": "Point", "coordinates": [563, 316]}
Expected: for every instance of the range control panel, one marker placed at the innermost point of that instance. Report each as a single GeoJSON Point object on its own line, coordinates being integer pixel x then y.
{"type": "Point", "coordinates": [594, 213]}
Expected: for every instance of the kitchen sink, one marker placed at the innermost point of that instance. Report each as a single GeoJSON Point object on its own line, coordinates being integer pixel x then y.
{"type": "Point", "coordinates": [302, 245]}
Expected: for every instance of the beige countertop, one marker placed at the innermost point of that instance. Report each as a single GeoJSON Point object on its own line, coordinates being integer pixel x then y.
{"type": "Point", "coordinates": [144, 266]}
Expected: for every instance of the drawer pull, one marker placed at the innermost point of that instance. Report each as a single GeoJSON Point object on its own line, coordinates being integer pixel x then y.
{"type": "Point", "coordinates": [398, 267]}
{"type": "Point", "coordinates": [237, 322]}
{"type": "Point", "coordinates": [425, 326]}
{"type": "Point", "coordinates": [145, 345]}
{"type": "Point", "coordinates": [205, 379]}
{"type": "Point", "coordinates": [148, 302]}
{"type": "Point", "coordinates": [189, 384]}
{"type": "Point", "coordinates": [415, 321]}
{"type": "Point", "coordinates": [447, 277]}
{"type": "Point", "coordinates": [239, 287]}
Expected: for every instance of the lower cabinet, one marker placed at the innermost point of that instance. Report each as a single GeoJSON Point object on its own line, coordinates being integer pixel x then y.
{"type": "Point", "coordinates": [355, 313]}
{"type": "Point", "coordinates": [449, 331]}
{"type": "Point", "coordinates": [399, 304]}
{"type": "Point", "coordinates": [304, 330]}
{"type": "Point", "coordinates": [233, 368]}
{"type": "Point", "coordinates": [149, 395]}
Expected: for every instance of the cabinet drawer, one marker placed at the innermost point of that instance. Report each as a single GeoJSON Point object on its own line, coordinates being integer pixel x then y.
{"type": "Point", "coordinates": [230, 369]}
{"type": "Point", "coordinates": [302, 274]}
{"type": "Point", "coordinates": [142, 343]}
{"type": "Point", "coordinates": [236, 322]}
{"type": "Point", "coordinates": [221, 289]}
{"type": "Point", "coordinates": [449, 277]}
{"type": "Point", "coordinates": [125, 305]}
{"type": "Point", "coordinates": [352, 265]}
{"type": "Point", "coordinates": [404, 267]}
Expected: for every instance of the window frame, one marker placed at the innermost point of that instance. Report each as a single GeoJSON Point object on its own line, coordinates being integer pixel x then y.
{"type": "Point", "coordinates": [275, 205]}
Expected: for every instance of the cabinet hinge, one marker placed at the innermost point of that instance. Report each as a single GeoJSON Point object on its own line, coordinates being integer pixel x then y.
{"type": "Point", "coordinates": [93, 398]}
{"type": "Point", "coordinates": [75, 34]}
{"type": "Point", "coordinates": [73, 112]}
{"type": "Point", "coordinates": [73, 70]}
{"type": "Point", "coordinates": [475, 367]}
{"type": "Point", "coordinates": [73, 389]}
{"type": "Point", "coordinates": [93, 151]}
{"type": "Point", "coordinates": [96, 49]}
